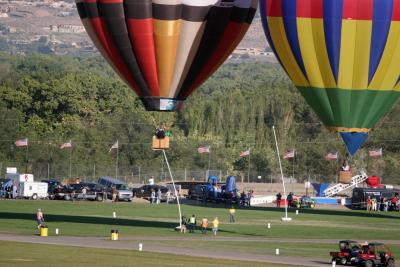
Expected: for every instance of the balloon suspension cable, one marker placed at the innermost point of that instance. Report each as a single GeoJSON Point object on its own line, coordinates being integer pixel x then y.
{"type": "Point", "coordinates": [283, 181]}
{"type": "Point", "coordinates": [175, 191]}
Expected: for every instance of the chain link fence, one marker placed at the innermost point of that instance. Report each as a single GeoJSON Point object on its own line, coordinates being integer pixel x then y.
{"type": "Point", "coordinates": [141, 175]}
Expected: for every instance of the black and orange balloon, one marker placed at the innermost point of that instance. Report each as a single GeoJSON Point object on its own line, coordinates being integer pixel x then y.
{"type": "Point", "coordinates": [165, 49]}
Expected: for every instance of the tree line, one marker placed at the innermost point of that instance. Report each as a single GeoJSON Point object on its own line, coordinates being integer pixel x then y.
{"type": "Point", "coordinates": [53, 99]}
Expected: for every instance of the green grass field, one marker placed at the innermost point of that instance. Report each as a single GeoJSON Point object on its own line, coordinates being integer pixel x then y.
{"type": "Point", "coordinates": [144, 220]}
{"type": "Point", "coordinates": [35, 255]}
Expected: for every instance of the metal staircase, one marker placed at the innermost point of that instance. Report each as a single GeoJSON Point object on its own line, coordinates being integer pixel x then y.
{"type": "Point", "coordinates": [335, 189]}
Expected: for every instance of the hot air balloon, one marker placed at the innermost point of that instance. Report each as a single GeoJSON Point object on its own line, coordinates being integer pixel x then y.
{"type": "Point", "coordinates": [342, 55]}
{"type": "Point", "coordinates": [165, 49]}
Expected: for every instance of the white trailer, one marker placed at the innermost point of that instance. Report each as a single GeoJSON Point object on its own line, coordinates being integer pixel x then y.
{"type": "Point", "coordinates": [33, 190]}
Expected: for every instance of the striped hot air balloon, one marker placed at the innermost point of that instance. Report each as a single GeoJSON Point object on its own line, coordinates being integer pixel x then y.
{"type": "Point", "coordinates": [342, 55]}
{"type": "Point", "coordinates": [165, 49]}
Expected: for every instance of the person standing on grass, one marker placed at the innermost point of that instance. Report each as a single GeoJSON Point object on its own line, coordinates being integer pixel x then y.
{"type": "Point", "coordinates": [278, 200]}
{"type": "Point", "coordinates": [232, 212]}
{"type": "Point", "coordinates": [369, 203]}
{"type": "Point", "coordinates": [39, 218]}
{"type": "Point", "coordinates": [192, 224]}
{"type": "Point", "coordinates": [215, 223]}
{"type": "Point", "coordinates": [114, 194]}
{"type": "Point", "coordinates": [158, 196]}
{"type": "Point", "coordinates": [152, 196]}
{"type": "Point", "coordinates": [204, 225]}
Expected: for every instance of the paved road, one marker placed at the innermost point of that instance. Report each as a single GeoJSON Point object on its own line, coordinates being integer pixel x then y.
{"type": "Point", "coordinates": [97, 242]}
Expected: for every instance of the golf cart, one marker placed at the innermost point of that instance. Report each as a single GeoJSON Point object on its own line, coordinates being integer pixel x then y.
{"type": "Point", "coordinates": [303, 202]}
{"type": "Point", "coordinates": [374, 255]}
{"type": "Point", "coordinates": [348, 249]}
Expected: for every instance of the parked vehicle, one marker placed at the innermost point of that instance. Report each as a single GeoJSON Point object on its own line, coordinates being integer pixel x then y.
{"type": "Point", "coordinates": [303, 202]}
{"type": "Point", "coordinates": [360, 195]}
{"type": "Point", "coordinates": [123, 192]}
{"type": "Point", "coordinates": [348, 249]}
{"type": "Point", "coordinates": [145, 191]}
{"type": "Point", "coordinates": [374, 255]}
{"type": "Point", "coordinates": [197, 192]}
{"type": "Point", "coordinates": [33, 190]}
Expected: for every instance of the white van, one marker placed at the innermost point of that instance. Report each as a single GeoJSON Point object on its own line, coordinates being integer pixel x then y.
{"type": "Point", "coordinates": [33, 190]}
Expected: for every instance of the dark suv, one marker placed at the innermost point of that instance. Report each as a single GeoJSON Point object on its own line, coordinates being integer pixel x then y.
{"type": "Point", "coordinates": [145, 191]}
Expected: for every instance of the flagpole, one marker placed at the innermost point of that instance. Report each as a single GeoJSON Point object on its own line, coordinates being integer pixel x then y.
{"type": "Point", "coordinates": [248, 172]}
{"type": "Point", "coordinates": [26, 160]}
{"type": "Point", "coordinates": [209, 160]}
{"type": "Point", "coordinates": [116, 164]}
{"type": "Point", "coordinates": [70, 163]}
{"type": "Point", "coordinates": [283, 181]}
{"type": "Point", "coordinates": [337, 168]}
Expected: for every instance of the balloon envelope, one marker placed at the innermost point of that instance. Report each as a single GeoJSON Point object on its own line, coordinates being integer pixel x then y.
{"type": "Point", "coordinates": [342, 55]}
{"type": "Point", "coordinates": [165, 49]}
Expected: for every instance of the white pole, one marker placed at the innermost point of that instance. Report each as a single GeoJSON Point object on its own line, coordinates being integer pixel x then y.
{"type": "Point", "coordinates": [176, 193]}
{"type": "Point", "coordinates": [283, 182]}
{"type": "Point", "coordinates": [248, 172]}
{"type": "Point", "coordinates": [185, 174]}
{"type": "Point", "coordinates": [139, 174]}
{"type": "Point", "coordinates": [116, 162]}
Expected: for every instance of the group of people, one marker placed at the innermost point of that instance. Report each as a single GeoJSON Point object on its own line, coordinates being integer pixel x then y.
{"type": "Point", "coordinates": [383, 203]}
{"type": "Point", "coordinates": [155, 197]}
{"type": "Point", "coordinates": [10, 191]}
{"type": "Point", "coordinates": [289, 199]}
{"type": "Point", "coordinates": [191, 223]}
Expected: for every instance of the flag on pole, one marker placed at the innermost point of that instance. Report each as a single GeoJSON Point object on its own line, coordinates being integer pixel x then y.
{"type": "Point", "coordinates": [66, 145]}
{"type": "Point", "coordinates": [375, 153]}
{"type": "Point", "coordinates": [245, 153]}
{"type": "Point", "coordinates": [289, 154]}
{"type": "Point", "coordinates": [21, 142]}
{"type": "Point", "coordinates": [203, 149]}
{"type": "Point", "coordinates": [114, 146]}
{"type": "Point", "coordinates": [331, 156]}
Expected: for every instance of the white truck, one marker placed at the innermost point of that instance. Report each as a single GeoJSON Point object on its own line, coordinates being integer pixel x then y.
{"type": "Point", "coordinates": [33, 190]}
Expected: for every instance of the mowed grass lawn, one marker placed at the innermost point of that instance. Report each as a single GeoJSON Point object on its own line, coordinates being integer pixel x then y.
{"type": "Point", "coordinates": [36, 255]}
{"type": "Point", "coordinates": [82, 218]}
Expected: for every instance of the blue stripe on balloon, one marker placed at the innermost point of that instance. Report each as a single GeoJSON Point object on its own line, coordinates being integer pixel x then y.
{"type": "Point", "coordinates": [290, 23]}
{"type": "Point", "coordinates": [263, 15]}
{"type": "Point", "coordinates": [381, 20]}
{"type": "Point", "coordinates": [333, 31]}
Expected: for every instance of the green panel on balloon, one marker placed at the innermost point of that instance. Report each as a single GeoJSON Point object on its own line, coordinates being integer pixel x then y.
{"type": "Point", "coordinates": [349, 108]}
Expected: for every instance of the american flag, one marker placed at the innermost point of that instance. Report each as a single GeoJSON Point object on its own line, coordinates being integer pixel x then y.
{"type": "Point", "coordinates": [114, 146]}
{"type": "Point", "coordinates": [21, 142]}
{"type": "Point", "coordinates": [203, 149]}
{"type": "Point", "coordinates": [289, 154]}
{"type": "Point", "coordinates": [245, 153]}
{"type": "Point", "coordinates": [375, 153]}
{"type": "Point", "coordinates": [66, 145]}
{"type": "Point", "coordinates": [331, 156]}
